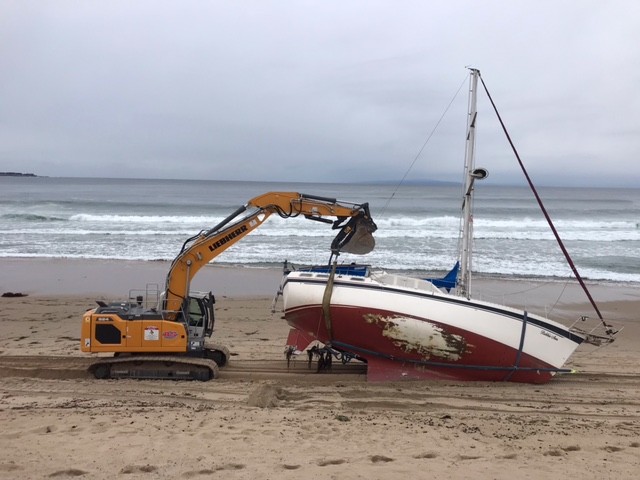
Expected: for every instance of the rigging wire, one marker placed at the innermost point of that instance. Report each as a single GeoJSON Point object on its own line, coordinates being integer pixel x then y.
{"type": "Point", "coordinates": [404, 177]}
{"type": "Point", "coordinates": [544, 211]}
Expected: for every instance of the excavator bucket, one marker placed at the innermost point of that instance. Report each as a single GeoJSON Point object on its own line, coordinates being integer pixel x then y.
{"type": "Point", "coordinates": [356, 236]}
{"type": "Point", "coordinates": [361, 242]}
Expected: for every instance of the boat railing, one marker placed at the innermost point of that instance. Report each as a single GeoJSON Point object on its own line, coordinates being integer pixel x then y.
{"type": "Point", "coordinates": [406, 282]}
{"type": "Point", "coordinates": [595, 331]}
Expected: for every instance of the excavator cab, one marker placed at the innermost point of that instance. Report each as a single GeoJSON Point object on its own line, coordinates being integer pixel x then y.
{"type": "Point", "coordinates": [200, 318]}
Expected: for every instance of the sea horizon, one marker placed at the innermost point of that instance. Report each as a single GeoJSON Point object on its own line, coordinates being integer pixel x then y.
{"type": "Point", "coordinates": [399, 182]}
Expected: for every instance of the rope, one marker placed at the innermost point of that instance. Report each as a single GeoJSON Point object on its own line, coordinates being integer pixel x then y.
{"type": "Point", "coordinates": [326, 301]}
{"type": "Point", "coordinates": [544, 211]}
{"type": "Point", "coordinates": [520, 348]}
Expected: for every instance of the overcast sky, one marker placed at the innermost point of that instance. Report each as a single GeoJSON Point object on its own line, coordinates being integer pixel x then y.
{"type": "Point", "coordinates": [330, 91]}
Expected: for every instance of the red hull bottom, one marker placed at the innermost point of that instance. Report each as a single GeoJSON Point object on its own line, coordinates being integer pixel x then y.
{"type": "Point", "coordinates": [479, 358]}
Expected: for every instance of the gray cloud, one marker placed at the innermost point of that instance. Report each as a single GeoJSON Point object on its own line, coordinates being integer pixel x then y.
{"type": "Point", "coordinates": [317, 91]}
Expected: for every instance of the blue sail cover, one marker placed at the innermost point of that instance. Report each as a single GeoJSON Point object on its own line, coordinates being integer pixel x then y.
{"type": "Point", "coordinates": [449, 281]}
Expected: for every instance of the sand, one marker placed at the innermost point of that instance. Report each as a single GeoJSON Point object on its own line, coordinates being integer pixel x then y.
{"type": "Point", "coordinates": [260, 420]}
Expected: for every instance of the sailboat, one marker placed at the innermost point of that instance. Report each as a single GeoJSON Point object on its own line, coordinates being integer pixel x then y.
{"type": "Point", "coordinates": [408, 328]}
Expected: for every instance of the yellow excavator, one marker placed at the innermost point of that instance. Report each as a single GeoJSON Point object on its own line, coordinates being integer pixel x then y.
{"type": "Point", "coordinates": [163, 334]}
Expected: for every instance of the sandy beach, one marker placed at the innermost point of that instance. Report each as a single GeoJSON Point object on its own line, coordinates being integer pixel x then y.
{"type": "Point", "coordinates": [262, 420]}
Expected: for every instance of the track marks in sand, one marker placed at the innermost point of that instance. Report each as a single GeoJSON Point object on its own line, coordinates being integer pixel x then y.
{"type": "Point", "coordinates": [132, 469]}
{"type": "Point", "coordinates": [231, 466]}
{"type": "Point", "coordinates": [211, 471]}
{"type": "Point", "coordinates": [612, 449]}
{"type": "Point", "coordinates": [196, 473]}
{"type": "Point", "coordinates": [324, 463]}
{"type": "Point", "coordinates": [69, 472]}
{"type": "Point", "coordinates": [381, 459]}
{"type": "Point", "coordinates": [427, 455]}
{"type": "Point", "coordinates": [10, 467]}
{"type": "Point", "coordinates": [562, 451]}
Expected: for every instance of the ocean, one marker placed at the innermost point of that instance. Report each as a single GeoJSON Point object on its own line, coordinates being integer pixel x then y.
{"type": "Point", "coordinates": [418, 226]}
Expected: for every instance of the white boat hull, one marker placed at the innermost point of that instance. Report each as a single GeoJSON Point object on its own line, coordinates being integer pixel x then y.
{"type": "Point", "coordinates": [406, 328]}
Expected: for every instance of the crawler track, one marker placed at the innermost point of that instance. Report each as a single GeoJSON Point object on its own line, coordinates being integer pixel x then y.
{"type": "Point", "coordinates": [150, 367]}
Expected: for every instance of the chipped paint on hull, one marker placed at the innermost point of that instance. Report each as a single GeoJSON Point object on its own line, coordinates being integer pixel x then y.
{"type": "Point", "coordinates": [426, 339]}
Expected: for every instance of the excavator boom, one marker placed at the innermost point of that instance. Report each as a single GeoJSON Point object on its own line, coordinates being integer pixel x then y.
{"type": "Point", "coordinates": [204, 247]}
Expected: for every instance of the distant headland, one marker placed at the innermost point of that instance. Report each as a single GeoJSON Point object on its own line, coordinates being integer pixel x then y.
{"type": "Point", "coordinates": [17, 174]}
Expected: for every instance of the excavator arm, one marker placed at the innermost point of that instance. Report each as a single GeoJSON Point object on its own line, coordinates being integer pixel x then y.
{"type": "Point", "coordinates": [353, 221]}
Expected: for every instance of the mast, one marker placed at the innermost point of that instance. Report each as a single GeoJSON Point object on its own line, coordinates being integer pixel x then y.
{"type": "Point", "coordinates": [471, 174]}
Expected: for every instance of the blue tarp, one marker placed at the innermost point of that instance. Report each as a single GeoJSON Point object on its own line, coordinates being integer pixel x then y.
{"type": "Point", "coordinates": [450, 279]}
{"type": "Point", "coordinates": [352, 270]}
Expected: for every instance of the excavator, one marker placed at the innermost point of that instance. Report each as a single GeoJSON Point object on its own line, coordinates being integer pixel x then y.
{"type": "Point", "coordinates": [163, 335]}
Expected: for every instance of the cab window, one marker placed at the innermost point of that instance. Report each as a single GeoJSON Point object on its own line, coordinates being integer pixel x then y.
{"type": "Point", "coordinates": [196, 315]}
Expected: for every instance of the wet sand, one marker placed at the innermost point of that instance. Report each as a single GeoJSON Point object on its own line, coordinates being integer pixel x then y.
{"type": "Point", "coordinates": [262, 420]}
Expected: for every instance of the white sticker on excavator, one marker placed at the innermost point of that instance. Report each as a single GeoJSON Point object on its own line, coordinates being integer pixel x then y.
{"type": "Point", "coordinates": [152, 333]}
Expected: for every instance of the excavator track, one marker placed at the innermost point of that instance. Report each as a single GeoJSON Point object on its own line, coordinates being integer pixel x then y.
{"type": "Point", "coordinates": [218, 353]}
{"type": "Point", "coordinates": [165, 367]}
